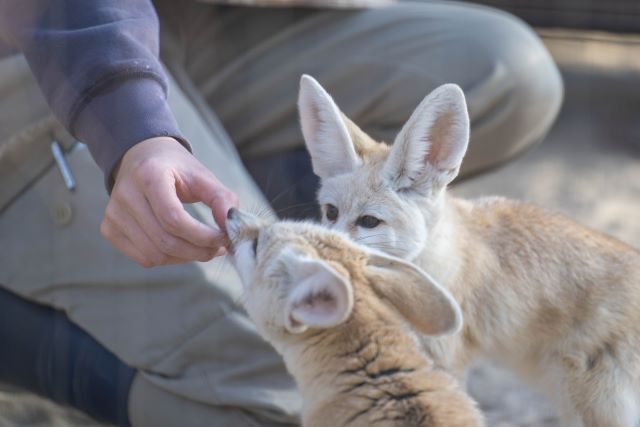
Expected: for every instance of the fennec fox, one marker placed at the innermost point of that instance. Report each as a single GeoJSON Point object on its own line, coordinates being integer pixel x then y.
{"type": "Point", "coordinates": [337, 315]}
{"type": "Point", "coordinates": [556, 301]}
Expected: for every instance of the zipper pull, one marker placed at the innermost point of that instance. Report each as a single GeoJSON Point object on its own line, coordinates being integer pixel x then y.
{"type": "Point", "coordinates": [63, 166]}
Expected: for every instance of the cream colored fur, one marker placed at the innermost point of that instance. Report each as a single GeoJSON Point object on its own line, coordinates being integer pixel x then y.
{"type": "Point", "coordinates": [335, 312]}
{"type": "Point", "coordinates": [557, 302]}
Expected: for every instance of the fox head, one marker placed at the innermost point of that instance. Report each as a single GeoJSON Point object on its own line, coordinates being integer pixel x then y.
{"type": "Point", "coordinates": [387, 197]}
{"type": "Point", "coordinates": [300, 276]}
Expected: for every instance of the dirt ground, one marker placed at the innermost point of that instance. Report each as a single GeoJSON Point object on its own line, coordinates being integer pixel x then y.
{"type": "Point", "coordinates": [587, 167]}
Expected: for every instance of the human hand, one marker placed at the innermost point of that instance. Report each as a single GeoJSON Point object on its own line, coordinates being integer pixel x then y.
{"type": "Point", "coordinates": [145, 219]}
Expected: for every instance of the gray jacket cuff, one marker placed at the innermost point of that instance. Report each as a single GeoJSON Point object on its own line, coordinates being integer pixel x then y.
{"type": "Point", "coordinates": [121, 116]}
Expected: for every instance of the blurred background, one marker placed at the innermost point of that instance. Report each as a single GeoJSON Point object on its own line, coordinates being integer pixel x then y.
{"type": "Point", "coordinates": [588, 167]}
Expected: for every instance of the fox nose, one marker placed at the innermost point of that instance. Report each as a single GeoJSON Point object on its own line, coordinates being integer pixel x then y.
{"type": "Point", "coordinates": [231, 213]}
{"type": "Point", "coordinates": [232, 223]}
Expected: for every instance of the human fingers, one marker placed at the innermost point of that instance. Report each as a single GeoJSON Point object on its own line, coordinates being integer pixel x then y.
{"type": "Point", "coordinates": [160, 171]}
{"type": "Point", "coordinates": [207, 188]}
{"type": "Point", "coordinates": [174, 219]}
{"type": "Point", "coordinates": [168, 244]}
{"type": "Point", "coordinates": [124, 244]}
{"type": "Point", "coordinates": [121, 223]}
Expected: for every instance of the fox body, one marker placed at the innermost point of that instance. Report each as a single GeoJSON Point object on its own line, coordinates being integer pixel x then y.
{"type": "Point", "coordinates": [557, 302]}
{"type": "Point", "coordinates": [333, 310]}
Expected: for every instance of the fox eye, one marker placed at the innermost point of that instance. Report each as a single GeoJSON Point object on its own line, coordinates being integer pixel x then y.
{"type": "Point", "coordinates": [331, 213]}
{"type": "Point", "coordinates": [368, 221]}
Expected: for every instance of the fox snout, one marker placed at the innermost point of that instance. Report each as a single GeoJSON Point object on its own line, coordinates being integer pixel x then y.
{"type": "Point", "coordinates": [232, 227]}
{"type": "Point", "coordinates": [238, 227]}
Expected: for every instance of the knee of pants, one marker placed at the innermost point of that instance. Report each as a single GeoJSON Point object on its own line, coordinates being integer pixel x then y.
{"type": "Point", "coordinates": [516, 105]}
{"type": "Point", "coordinates": [513, 87]}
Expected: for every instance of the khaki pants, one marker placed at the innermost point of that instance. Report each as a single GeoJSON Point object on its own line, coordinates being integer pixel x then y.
{"type": "Point", "coordinates": [200, 360]}
{"type": "Point", "coordinates": [378, 64]}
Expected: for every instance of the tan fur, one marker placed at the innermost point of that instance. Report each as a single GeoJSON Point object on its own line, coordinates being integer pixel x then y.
{"type": "Point", "coordinates": [540, 291]}
{"type": "Point", "coordinates": [554, 300]}
{"type": "Point", "coordinates": [366, 371]}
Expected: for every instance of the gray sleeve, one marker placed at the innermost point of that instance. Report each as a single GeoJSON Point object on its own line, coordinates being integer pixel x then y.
{"type": "Point", "coordinates": [97, 63]}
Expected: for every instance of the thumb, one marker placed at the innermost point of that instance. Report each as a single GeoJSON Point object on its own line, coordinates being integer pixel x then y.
{"type": "Point", "coordinates": [207, 188]}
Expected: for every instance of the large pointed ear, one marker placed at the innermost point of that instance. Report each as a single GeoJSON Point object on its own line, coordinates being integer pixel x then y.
{"type": "Point", "coordinates": [325, 133]}
{"type": "Point", "coordinates": [319, 297]}
{"type": "Point", "coordinates": [428, 151]}
{"type": "Point", "coordinates": [425, 304]}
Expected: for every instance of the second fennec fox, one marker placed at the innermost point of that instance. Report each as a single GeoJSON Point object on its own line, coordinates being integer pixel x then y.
{"type": "Point", "coordinates": [554, 300]}
{"type": "Point", "coordinates": [337, 315]}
